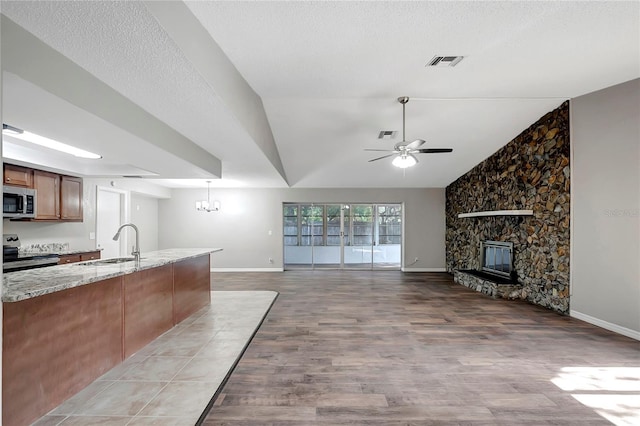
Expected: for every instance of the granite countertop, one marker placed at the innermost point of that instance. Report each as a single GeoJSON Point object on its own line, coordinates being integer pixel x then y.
{"type": "Point", "coordinates": [31, 283]}
{"type": "Point", "coordinates": [58, 252]}
{"type": "Point", "coordinates": [43, 249]}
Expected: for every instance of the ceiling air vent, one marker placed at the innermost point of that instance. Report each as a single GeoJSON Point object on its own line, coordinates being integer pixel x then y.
{"type": "Point", "coordinates": [387, 134]}
{"type": "Point", "coordinates": [444, 61]}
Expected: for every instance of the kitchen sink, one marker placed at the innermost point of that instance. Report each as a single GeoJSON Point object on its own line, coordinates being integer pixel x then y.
{"type": "Point", "coordinates": [113, 260]}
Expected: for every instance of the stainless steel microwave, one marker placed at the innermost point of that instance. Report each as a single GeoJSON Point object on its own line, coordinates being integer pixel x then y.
{"type": "Point", "coordinates": [18, 202]}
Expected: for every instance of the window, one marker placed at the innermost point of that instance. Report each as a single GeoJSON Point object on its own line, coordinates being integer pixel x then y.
{"type": "Point", "coordinates": [303, 225]}
{"type": "Point", "coordinates": [311, 225]}
{"type": "Point", "coordinates": [364, 224]}
{"type": "Point", "coordinates": [342, 235]}
{"type": "Point", "coordinates": [291, 225]}
{"type": "Point", "coordinates": [389, 224]}
{"type": "Point", "coordinates": [333, 224]}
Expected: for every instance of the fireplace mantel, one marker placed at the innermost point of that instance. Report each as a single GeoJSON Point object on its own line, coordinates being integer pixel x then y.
{"type": "Point", "coordinates": [498, 213]}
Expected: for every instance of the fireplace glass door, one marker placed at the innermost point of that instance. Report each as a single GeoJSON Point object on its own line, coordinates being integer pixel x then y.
{"type": "Point", "coordinates": [497, 257]}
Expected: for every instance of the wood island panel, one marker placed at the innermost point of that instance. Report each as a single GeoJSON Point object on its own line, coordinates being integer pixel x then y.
{"type": "Point", "coordinates": [55, 345]}
{"type": "Point", "coordinates": [148, 307]}
{"type": "Point", "coordinates": [59, 342]}
{"type": "Point", "coordinates": [191, 286]}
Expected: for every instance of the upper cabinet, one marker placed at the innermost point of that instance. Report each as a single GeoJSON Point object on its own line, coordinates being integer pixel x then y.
{"type": "Point", "coordinates": [47, 186]}
{"type": "Point", "coordinates": [18, 176]}
{"type": "Point", "coordinates": [58, 197]}
{"type": "Point", "coordinates": [71, 198]}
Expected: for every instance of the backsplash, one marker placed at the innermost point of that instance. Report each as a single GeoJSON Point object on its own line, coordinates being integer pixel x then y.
{"type": "Point", "coordinates": [44, 248]}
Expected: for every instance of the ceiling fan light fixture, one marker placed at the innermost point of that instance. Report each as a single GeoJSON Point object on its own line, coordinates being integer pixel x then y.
{"type": "Point", "coordinates": [404, 161]}
{"type": "Point", "coordinates": [403, 150]}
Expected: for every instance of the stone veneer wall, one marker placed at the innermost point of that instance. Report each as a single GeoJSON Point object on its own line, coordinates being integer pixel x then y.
{"type": "Point", "coordinates": [530, 172]}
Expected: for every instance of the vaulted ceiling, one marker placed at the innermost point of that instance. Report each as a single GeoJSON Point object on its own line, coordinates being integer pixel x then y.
{"type": "Point", "coordinates": [276, 94]}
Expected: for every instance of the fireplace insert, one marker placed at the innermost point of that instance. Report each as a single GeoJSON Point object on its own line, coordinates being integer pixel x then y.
{"type": "Point", "coordinates": [496, 257]}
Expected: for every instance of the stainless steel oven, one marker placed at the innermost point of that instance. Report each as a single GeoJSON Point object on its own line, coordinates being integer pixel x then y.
{"type": "Point", "coordinates": [18, 202]}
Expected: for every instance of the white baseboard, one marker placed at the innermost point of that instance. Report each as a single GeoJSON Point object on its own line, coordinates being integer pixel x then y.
{"type": "Point", "coordinates": [409, 269]}
{"type": "Point", "coordinates": [606, 325]}
{"type": "Point", "coordinates": [247, 270]}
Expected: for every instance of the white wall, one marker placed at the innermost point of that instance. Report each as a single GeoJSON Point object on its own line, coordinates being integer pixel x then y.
{"type": "Point", "coordinates": [242, 225]}
{"type": "Point", "coordinates": [605, 191]}
{"type": "Point", "coordinates": [144, 214]}
{"type": "Point", "coordinates": [77, 233]}
{"type": "Point", "coordinates": [1, 229]}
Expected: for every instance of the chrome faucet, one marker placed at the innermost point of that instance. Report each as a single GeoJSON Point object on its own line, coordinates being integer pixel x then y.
{"type": "Point", "coordinates": [136, 250]}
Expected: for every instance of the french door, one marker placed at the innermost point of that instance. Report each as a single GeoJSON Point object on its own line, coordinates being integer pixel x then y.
{"type": "Point", "coordinates": [342, 236]}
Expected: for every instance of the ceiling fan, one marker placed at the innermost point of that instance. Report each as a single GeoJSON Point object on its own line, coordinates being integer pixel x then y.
{"type": "Point", "coordinates": [404, 151]}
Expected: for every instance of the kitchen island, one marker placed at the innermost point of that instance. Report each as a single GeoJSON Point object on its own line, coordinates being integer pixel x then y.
{"type": "Point", "coordinates": [66, 325]}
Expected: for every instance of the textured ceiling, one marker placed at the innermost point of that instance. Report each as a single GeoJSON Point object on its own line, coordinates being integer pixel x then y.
{"type": "Point", "coordinates": [379, 49]}
{"type": "Point", "coordinates": [67, 123]}
{"type": "Point", "coordinates": [329, 74]}
{"type": "Point", "coordinates": [122, 44]}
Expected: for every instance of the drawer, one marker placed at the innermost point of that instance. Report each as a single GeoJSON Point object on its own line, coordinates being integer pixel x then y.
{"type": "Point", "coordinates": [92, 255]}
{"type": "Point", "coordinates": [70, 258]}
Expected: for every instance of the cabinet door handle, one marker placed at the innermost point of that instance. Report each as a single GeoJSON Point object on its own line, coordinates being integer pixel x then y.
{"type": "Point", "coordinates": [8, 179]}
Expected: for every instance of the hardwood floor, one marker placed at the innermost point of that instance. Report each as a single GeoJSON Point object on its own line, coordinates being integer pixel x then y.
{"type": "Point", "coordinates": [387, 348]}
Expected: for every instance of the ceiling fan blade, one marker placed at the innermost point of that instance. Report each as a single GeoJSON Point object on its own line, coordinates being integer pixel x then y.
{"type": "Point", "coordinates": [380, 158]}
{"type": "Point", "coordinates": [415, 144]}
{"type": "Point", "coordinates": [432, 150]}
{"type": "Point", "coordinates": [380, 150]}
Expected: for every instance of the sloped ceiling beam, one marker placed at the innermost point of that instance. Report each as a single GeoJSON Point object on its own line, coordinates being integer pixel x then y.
{"type": "Point", "coordinates": [28, 57]}
{"type": "Point", "coordinates": [215, 67]}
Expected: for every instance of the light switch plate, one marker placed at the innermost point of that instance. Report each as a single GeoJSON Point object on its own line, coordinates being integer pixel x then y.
{"type": "Point", "coordinates": [92, 235]}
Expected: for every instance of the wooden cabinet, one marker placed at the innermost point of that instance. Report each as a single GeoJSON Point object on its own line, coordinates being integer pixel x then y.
{"type": "Point", "coordinates": [71, 198]}
{"type": "Point", "coordinates": [58, 197]}
{"type": "Point", "coordinates": [18, 176]}
{"type": "Point", "coordinates": [56, 344]}
{"type": "Point", "coordinates": [69, 258]}
{"type": "Point", "coordinates": [79, 257]}
{"type": "Point", "coordinates": [47, 186]}
{"type": "Point", "coordinates": [91, 255]}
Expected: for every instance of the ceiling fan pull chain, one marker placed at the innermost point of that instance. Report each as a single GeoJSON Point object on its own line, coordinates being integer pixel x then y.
{"type": "Point", "coordinates": [403, 121]}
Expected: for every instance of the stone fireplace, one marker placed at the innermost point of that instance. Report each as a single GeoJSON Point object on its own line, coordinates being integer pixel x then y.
{"type": "Point", "coordinates": [529, 173]}
{"type": "Point", "coordinates": [495, 275]}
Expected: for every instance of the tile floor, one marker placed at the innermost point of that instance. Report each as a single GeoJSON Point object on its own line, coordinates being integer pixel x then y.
{"type": "Point", "coordinates": [171, 380]}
